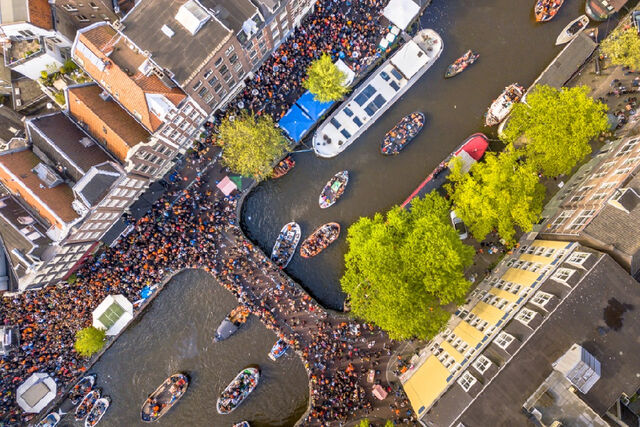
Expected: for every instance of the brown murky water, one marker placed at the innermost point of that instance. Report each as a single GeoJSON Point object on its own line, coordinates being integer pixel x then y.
{"type": "Point", "coordinates": [512, 47]}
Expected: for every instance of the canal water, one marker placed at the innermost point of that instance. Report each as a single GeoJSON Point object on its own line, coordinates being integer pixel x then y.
{"type": "Point", "coordinates": [512, 48]}
{"type": "Point", "coordinates": [175, 334]}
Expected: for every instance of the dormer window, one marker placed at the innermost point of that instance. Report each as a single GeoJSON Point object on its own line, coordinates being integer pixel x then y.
{"type": "Point", "coordinates": [466, 381]}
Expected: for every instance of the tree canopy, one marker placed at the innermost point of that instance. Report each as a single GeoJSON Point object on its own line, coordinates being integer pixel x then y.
{"type": "Point", "coordinates": [325, 81]}
{"type": "Point", "coordinates": [501, 193]}
{"type": "Point", "coordinates": [622, 47]}
{"type": "Point", "coordinates": [558, 126]}
{"type": "Point", "coordinates": [89, 341]}
{"type": "Point", "coordinates": [401, 270]}
{"type": "Point", "coordinates": [251, 144]}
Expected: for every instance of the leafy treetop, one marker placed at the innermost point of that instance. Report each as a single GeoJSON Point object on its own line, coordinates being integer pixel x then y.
{"type": "Point", "coordinates": [89, 341]}
{"type": "Point", "coordinates": [622, 47]}
{"type": "Point", "coordinates": [325, 81]}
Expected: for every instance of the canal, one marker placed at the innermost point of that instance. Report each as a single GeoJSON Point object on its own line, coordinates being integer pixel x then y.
{"type": "Point", "coordinates": [512, 47]}
{"type": "Point", "coordinates": [175, 335]}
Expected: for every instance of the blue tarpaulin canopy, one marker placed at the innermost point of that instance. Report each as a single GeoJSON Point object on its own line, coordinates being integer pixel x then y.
{"type": "Point", "coordinates": [313, 108]}
{"type": "Point", "coordinates": [296, 123]}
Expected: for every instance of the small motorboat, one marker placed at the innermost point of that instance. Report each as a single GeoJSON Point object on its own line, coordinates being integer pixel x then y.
{"type": "Point", "coordinates": [160, 401]}
{"type": "Point", "coordinates": [320, 239]}
{"type": "Point", "coordinates": [283, 167]}
{"type": "Point", "coordinates": [501, 107]}
{"type": "Point", "coordinates": [278, 349]}
{"type": "Point", "coordinates": [81, 388]}
{"type": "Point", "coordinates": [572, 30]}
{"type": "Point", "coordinates": [87, 403]}
{"type": "Point", "coordinates": [242, 424]}
{"type": "Point", "coordinates": [231, 323]}
{"type": "Point", "coordinates": [461, 64]}
{"type": "Point", "coordinates": [286, 244]}
{"type": "Point", "coordinates": [238, 390]}
{"type": "Point", "coordinates": [545, 10]}
{"type": "Point", "coordinates": [402, 134]}
{"type": "Point", "coordinates": [51, 420]}
{"type": "Point", "coordinates": [98, 410]}
{"type": "Point", "coordinates": [333, 189]}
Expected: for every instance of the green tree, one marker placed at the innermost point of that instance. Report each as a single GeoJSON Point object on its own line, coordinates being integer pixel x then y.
{"type": "Point", "coordinates": [400, 270]}
{"type": "Point", "coordinates": [558, 126]}
{"type": "Point", "coordinates": [501, 193]}
{"type": "Point", "coordinates": [251, 144]}
{"type": "Point", "coordinates": [325, 81]}
{"type": "Point", "coordinates": [364, 423]}
{"type": "Point", "coordinates": [89, 341]}
{"type": "Point", "coordinates": [622, 47]}
{"type": "Point", "coordinates": [389, 423]}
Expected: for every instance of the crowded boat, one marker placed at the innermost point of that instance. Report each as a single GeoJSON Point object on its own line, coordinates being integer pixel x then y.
{"type": "Point", "coordinates": [236, 318]}
{"type": "Point", "coordinates": [286, 244]}
{"type": "Point", "coordinates": [334, 189]}
{"type": "Point", "coordinates": [51, 420]}
{"type": "Point", "coordinates": [164, 398]}
{"type": "Point", "coordinates": [81, 388]}
{"type": "Point", "coordinates": [320, 239]}
{"type": "Point", "coordinates": [461, 64]}
{"type": "Point", "coordinates": [86, 404]}
{"type": "Point", "coordinates": [501, 107]}
{"type": "Point", "coordinates": [283, 167]}
{"type": "Point", "coordinates": [278, 349]}
{"type": "Point", "coordinates": [97, 412]}
{"type": "Point", "coordinates": [242, 424]}
{"type": "Point", "coordinates": [572, 30]}
{"type": "Point", "coordinates": [546, 10]}
{"type": "Point", "coordinates": [238, 390]}
{"type": "Point", "coordinates": [402, 134]}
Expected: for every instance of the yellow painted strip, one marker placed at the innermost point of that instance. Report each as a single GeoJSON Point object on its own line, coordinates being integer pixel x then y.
{"type": "Point", "coordinates": [521, 277]}
{"type": "Point", "coordinates": [550, 244]}
{"type": "Point", "coordinates": [468, 333]}
{"type": "Point", "coordinates": [451, 351]}
{"type": "Point", "coordinates": [504, 294]}
{"type": "Point", "coordinates": [488, 312]}
{"type": "Point", "coordinates": [424, 387]}
{"type": "Point", "coordinates": [544, 260]}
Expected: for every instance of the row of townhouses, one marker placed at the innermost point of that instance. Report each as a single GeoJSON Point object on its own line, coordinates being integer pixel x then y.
{"type": "Point", "coordinates": [158, 69]}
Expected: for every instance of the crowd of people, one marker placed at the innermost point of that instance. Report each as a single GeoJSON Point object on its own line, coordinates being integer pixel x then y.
{"type": "Point", "coordinates": [196, 228]}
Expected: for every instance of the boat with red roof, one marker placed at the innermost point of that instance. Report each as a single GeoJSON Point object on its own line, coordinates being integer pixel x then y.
{"type": "Point", "coordinates": [469, 152]}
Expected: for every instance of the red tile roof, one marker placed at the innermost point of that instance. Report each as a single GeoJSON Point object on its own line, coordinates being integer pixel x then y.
{"type": "Point", "coordinates": [121, 76]}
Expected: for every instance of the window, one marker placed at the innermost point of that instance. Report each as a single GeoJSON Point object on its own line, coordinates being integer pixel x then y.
{"type": "Point", "coordinates": [585, 188]}
{"type": "Point", "coordinates": [582, 219]}
{"type": "Point", "coordinates": [213, 81]}
{"type": "Point", "coordinates": [576, 198]}
{"type": "Point", "coordinates": [541, 299]}
{"type": "Point", "coordinates": [504, 340]}
{"type": "Point", "coordinates": [578, 258]}
{"type": "Point", "coordinates": [622, 171]}
{"type": "Point", "coordinates": [82, 18]}
{"type": "Point", "coordinates": [217, 88]}
{"type": "Point", "coordinates": [562, 275]}
{"type": "Point", "coordinates": [562, 218]}
{"type": "Point", "coordinates": [234, 58]}
{"type": "Point", "coordinates": [207, 73]}
{"type": "Point", "coordinates": [218, 62]}
{"type": "Point", "coordinates": [482, 363]}
{"type": "Point", "coordinates": [69, 7]}
{"type": "Point", "coordinates": [93, 5]}
{"type": "Point", "coordinates": [466, 381]}
{"type": "Point", "coordinates": [202, 92]}
{"type": "Point", "coordinates": [599, 196]}
{"type": "Point", "coordinates": [606, 167]}
{"type": "Point", "coordinates": [628, 146]}
{"type": "Point", "coordinates": [525, 315]}
{"type": "Point", "coordinates": [224, 69]}
{"type": "Point", "coordinates": [229, 50]}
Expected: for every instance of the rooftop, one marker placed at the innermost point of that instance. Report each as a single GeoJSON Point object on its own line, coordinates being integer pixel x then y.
{"type": "Point", "coordinates": [105, 120]}
{"type": "Point", "coordinates": [182, 53]}
{"type": "Point", "coordinates": [69, 150]}
{"type": "Point", "coordinates": [96, 184]}
{"type": "Point", "coordinates": [125, 72]}
{"type": "Point", "coordinates": [38, 12]}
{"type": "Point", "coordinates": [232, 13]}
{"type": "Point", "coordinates": [57, 198]}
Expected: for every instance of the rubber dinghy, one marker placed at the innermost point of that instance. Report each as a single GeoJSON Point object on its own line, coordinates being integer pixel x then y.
{"type": "Point", "coordinates": [402, 134]}
{"type": "Point", "coordinates": [320, 239]}
{"type": "Point", "coordinates": [237, 391]}
{"type": "Point", "coordinates": [501, 107]}
{"type": "Point", "coordinates": [164, 397]}
{"type": "Point", "coordinates": [97, 412]}
{"type": "Point", "coordinates": [286, 244]}
{"type": "Point", "coordinates": [461, 64]}
{"type": "Point", "coordinates": [334, 189]}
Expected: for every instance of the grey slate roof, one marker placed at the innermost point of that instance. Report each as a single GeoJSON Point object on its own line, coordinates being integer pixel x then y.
{"type": "Point", "coordinates": [97, 184]}
{"type": "Point", "coordinates": [183, 53]}
{"type": "Point", "coordinates": [599, 313]}
{"type": "Point", "coordinates": [58, 138]}
{"type": "Point", "coordinates": [232, 13]}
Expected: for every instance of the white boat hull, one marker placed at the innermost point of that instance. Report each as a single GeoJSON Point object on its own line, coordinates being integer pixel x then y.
{"type": "Point", "coordinates": [565, 36]}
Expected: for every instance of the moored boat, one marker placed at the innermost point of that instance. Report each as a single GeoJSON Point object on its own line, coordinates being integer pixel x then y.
{"type": "Point", "coordinates": [572, 29]}
{"type": "Point", "coordinates": [164, 397]}
{"type": "Point", "coordinates": [81, 388]}
{"type": "Point", "coordinates": [546, 10]}
{"type": "Point", "coordinates": [601, 10]}
{"type": "Point", "coordinates": [51, 420]}
{"type": "Point", "coordinates": [97, 412]}
{"type": "Point", "coordinates": [278, 349]}
{"type": "Point", "coordinates": [231, 323]}
{"type": "Point", "coordinates": [242, 424]}
{"type": "Point", "coordinates": [334, 189]}
{"type": "Point", "coordinates": [461, 64]}
{"type": "Point", "coordinates": [469, 152]}
{"type": "Point", "coordinates": [283, 167]}
{"type": "Point", "coordinates": [402, 134]}
{"type": "Point", "coordinates": [502, 106]}
{"type": "Point", "coordinates": [286, 244]}
{"type": "Point", "coordinates": [238, 390]}
{"type": "Point", "coordinates": [87, 403]}
{"type": "Point", "coordinates": [318, 241]}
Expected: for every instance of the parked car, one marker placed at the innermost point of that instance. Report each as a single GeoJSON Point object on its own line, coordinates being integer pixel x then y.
{"type": "Point", "coordinates": [459, 226]}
